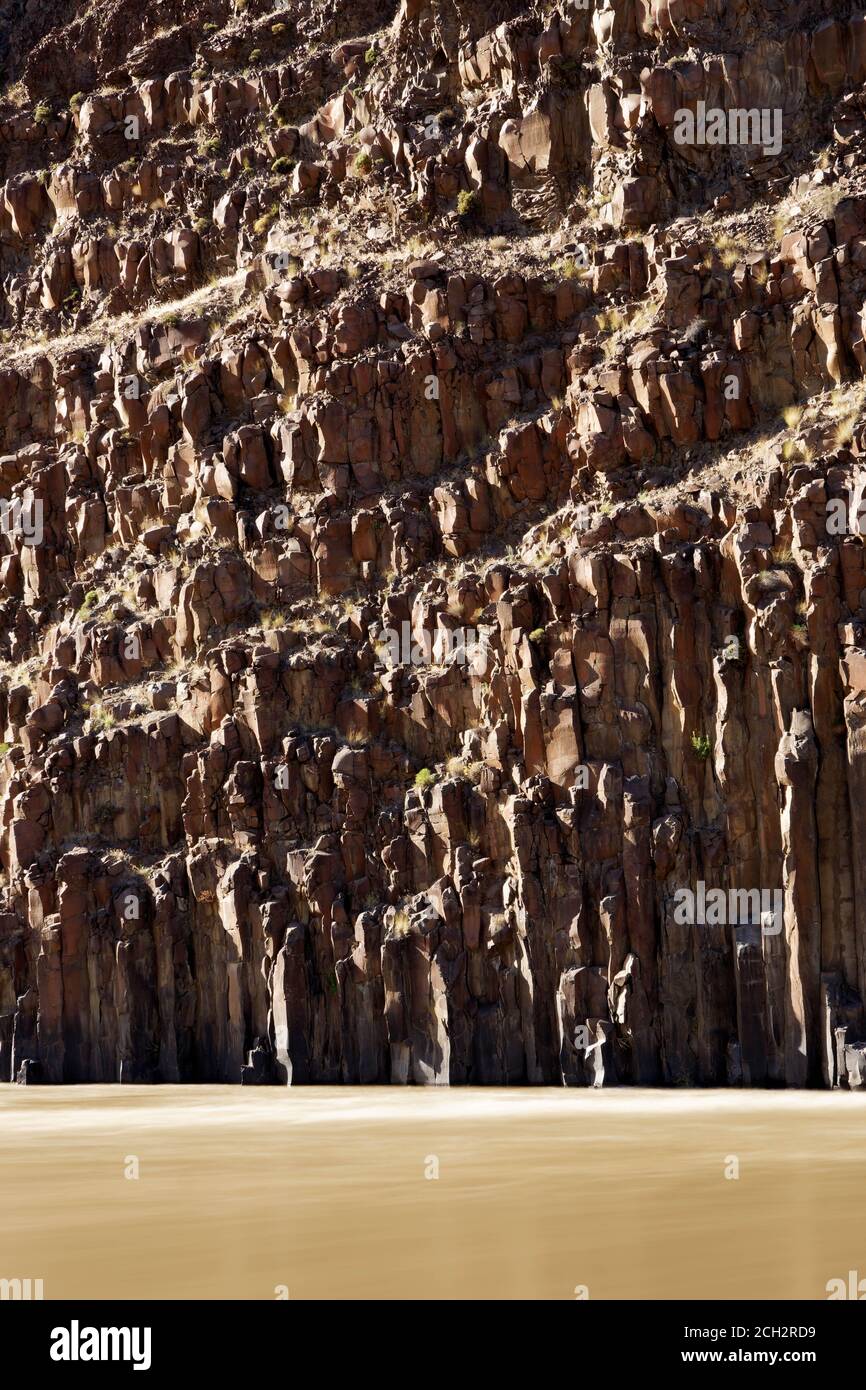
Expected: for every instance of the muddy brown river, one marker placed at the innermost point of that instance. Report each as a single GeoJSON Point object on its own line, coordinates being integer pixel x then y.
{"type": "Point", "coordinates": [218, 1192]}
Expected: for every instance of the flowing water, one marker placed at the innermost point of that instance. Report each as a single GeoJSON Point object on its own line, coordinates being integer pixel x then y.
{"type": "Point", "coordinates": [331, 1193]}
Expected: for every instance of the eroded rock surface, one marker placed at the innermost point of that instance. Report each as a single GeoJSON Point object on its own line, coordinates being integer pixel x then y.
{"type": "Point", "coordinates": [430, 543]}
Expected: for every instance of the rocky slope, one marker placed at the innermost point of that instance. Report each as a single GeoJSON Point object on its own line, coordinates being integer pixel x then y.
{"type": "Point", "coordinates": [429, 542]}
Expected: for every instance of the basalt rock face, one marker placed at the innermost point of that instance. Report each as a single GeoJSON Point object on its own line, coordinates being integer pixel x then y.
{"type": "Point", "coordinates": [430, 555]}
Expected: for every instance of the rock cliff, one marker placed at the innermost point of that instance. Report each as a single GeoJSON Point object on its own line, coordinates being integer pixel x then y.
{"type": "Point", "coordinates": [430, 547]}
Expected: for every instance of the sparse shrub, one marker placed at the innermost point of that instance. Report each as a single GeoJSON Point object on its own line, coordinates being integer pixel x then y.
{"type": "Point", "coordinates": [469, 771]}
{"type": "Point", "coordinates": [544, 556]}
{"type": "Point", "coordinates": [261, 224]}
{"type": "Point", "coordinates": [401, 925]}
{"type": "Point", "coordinates": [76, 101]}
{"type": "Point", "coordinates": [570, 269]}
{"type": "Point", "coordinates": [424, 779]}
{"type": "Point", "coordinates": [792, 415]}
{"type": "Point", "coordinates": [847, 409]}
{"type": "Point", "coordinates": [271, 620]}
{"type": "Point", "coordinates": [612, 323]}
{"type": "Point", "coordinates": [466, 200]}
{"type": "Point", "coordinates": [733, 252]}
{"type": "Point", "coordinates": [255, 55]}
{"type": "Point", "coordinates": [42, 112]}
{"type": "Point", "coordinates": [91, 600]}
{"type": "Point", "coordinates": [611, 320]}
{"type": "Point", "coordinates": [282, 165]}
{"type": "Point", "coordinates": [701, 746]}
{"type": "Point", "coordinates": [768, 580]}
{"type": "Point", "coordinates": [643, 316]}
{"type": "Point", "coordinates": [537, 634]}
{"type": "Point", "coordinates": [371, 55]}
{"type": "Point", "coordinates": [277, 29]}
{"type": "Point", "coordinates": [100, 717]}
{"type": "Point", "coordinates": [363, 163]}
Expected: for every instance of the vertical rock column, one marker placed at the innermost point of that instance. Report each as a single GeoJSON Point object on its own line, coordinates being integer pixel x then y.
{"type": "Point", "coordinates": [796, 771]}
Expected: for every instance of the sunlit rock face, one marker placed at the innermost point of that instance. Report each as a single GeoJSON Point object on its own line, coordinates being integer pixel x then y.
{"type": "Point", "coordinates": [431, 574]}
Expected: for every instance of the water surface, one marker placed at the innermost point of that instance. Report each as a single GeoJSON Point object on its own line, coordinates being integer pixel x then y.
{"type": "Point", "coordinates": [325, 1191]}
